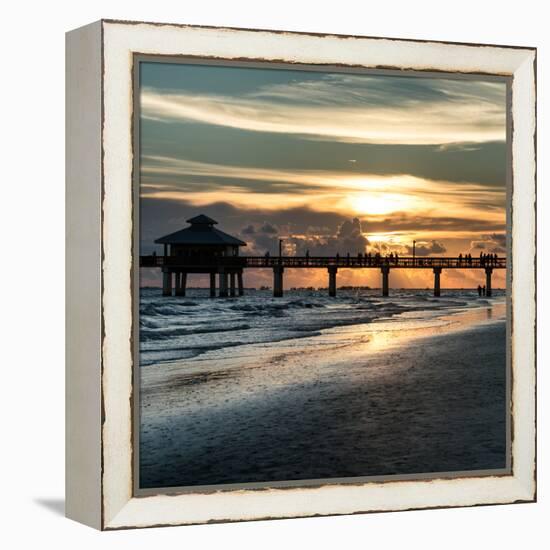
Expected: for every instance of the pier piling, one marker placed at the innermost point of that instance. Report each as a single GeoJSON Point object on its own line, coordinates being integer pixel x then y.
{"type": "Point", "coordinates": [437, 281]}
{"type": "Point", "coordinates": [278, 281]}
{"type": "Point", "coordinates": [332, 270]}
{"type": "Point", "coordinates": [240, 282]}
{"type": "Point", "coordinates": [177, 283]}
{"type": "Point", "coordinates": [488, 273]}
{"type": "Point", "coordinates": [212, 285]}
{"type": "Point", "coordinates": [223, 284]}
{"type": "Point", "coordinates": [181, 282]}
{"type": "Point", "coordinates": [385, 280]}
{"type": "Point", "coordinates": [166, 283]}
{"type": "Point", "coordinates": [232, 290]}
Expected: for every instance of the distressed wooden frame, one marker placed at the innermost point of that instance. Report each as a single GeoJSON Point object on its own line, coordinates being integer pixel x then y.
{"type": "Point", "coordinates": [99, 398]}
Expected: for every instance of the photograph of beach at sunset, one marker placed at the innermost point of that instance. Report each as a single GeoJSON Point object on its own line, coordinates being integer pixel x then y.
{"type": "Point", "coordinates": [323, 274]}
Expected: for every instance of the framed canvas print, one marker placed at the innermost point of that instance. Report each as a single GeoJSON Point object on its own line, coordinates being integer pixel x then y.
{"type": "Point", "coordinates": [300, 274]}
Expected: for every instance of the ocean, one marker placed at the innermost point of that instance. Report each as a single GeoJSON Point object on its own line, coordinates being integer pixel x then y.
{"type": "Point", "coordinates": [178, 328]}
{"type": "Point", "coordinates": [259, 389]}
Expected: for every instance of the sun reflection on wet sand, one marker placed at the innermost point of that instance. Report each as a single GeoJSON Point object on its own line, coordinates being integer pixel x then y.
{"type": "Point", "coordinates": [338, 347]}
{"type": "Point", "coordinates": [385, 334]}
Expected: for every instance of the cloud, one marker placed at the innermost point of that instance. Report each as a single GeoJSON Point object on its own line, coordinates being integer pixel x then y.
{"type": "Point", "coordinates": [381, 91]}
{"type": "Point", "coordinates": [387, 248]}
{"type": "Point", "coordinates": [364, 109]}
{"type": "Point", "coordinates": [437, 248]}
{"type": "Point", "coordinates": [494, 243]}
{"type": "Point", "coordinates": [229, 146]}
{"type": "Point", "coordinates": [400, 222]}
{"type": "Point", "coordinates": [155, 167]}
{"type": "Point", "coordinates": [261, 238]}
{"type": "Point", "coordinates": [427, 249]}
{"type": "Point", "coordinates": [349, 193]}
{"type": "Point", "coordinates": [350, 236]}
{"type": "Point", "coordinates": [259, 244]}
{"type": "Point", "coordinates": [268, 228]}
{"type": "Point", "coordinates": [161, 216]}
{"type": "Point", "coordinates": [347, 237]}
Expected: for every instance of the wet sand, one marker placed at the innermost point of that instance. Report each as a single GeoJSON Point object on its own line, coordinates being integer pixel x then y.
{"type": "Point", "coordinates": [405, 396]}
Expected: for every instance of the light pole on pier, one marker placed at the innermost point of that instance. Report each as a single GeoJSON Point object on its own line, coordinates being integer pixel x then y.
{"type": "Point", "coordinates": [280, 250]}
{"type": "Point", "coordinates": [414, 252]}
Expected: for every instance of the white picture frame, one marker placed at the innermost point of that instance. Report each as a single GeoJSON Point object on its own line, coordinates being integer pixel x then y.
{"type": "Point", "coordinates": [100, 263]}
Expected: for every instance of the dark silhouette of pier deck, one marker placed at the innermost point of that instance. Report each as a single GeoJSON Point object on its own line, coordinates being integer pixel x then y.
{"type": "Point", "coordinates": [202, 248]}
{"type": "Point", "coordinates": [232, 266]}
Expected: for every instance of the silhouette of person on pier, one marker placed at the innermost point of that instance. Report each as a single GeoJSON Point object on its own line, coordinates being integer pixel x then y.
{"type": "Point", "coordinates": [479, 289]}
{"type": "Point", "coordinates": [488, 259]}
{"type": "Point", "coordinates": [484, 291]}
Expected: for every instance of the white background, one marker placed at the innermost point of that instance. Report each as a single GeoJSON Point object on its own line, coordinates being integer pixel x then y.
{"type": "Point", "coordinates": [32, 273]}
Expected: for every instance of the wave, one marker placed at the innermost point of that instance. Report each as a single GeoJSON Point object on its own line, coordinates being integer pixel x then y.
{"type": "Point", "coordinates": [153, 308]}
{"type": "Point", "coordinates": [174, 329]}
{"type": "Point", "coordinates": [169, 354]}
{"type": "Point", "coordinates": [170, 332]}
{"type": "Point", "coordinates": [276, 306]}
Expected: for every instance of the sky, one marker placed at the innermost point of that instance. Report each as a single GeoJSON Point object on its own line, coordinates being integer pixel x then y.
{"type": "Point", "coordinates": [332, 162]}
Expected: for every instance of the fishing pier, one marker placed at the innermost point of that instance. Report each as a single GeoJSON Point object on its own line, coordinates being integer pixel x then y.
{"type": "Point", "coordinates": [201, 248]}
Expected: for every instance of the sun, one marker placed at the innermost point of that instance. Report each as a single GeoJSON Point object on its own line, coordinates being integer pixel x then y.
{"type": "Point", "coordinates": [379, 204]}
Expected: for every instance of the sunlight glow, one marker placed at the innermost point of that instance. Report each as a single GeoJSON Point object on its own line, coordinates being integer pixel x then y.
{"type": "Point", "coordinates": [380, 203]}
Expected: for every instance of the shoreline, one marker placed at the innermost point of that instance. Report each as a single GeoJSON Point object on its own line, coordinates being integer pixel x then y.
{"type": "Point", "coordinates": [400, 326]}
{"type": "Point", "coordinates": [240, 327]}
{"type": "Point", "coordinates": [405, 397]}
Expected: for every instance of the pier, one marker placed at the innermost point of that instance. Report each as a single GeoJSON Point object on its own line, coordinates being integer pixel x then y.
{"type": "Point", "coordinates": [201, 248]}
{"type": "Point", "coordinates": [235, 266]}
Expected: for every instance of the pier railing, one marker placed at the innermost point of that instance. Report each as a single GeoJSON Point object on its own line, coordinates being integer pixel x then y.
{"type": "Point", "coordinates": [305, 262]}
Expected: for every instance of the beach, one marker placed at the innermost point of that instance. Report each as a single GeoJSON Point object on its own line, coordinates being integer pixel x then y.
{"type": "Point", "coordinates": [308, 388]}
